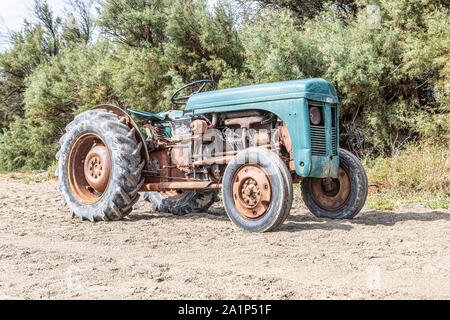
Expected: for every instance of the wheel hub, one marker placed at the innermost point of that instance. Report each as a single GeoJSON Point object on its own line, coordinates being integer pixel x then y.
{"type": "Point", "coordinates": [88, 168]}
{"type": "Point", "coordinates": [252, 191]}
{"type": "Point", "coordinates": [331, 194]}
{"type": "Point", "coordinates": [97, 168]}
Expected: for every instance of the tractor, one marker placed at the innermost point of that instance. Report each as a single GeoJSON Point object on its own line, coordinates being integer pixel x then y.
{"type": "Point", "coordinates": [251, 143]}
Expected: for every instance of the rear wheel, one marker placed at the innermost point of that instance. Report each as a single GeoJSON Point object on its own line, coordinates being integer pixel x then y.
{"type": "Point", "coordinates": [257, 190]}
{"type": "Point", "coordinates": [99, 167]}
{"type": "Point", "coordinates": [341, 198]}
{"type": "Point", "coordinates": [182, 202]}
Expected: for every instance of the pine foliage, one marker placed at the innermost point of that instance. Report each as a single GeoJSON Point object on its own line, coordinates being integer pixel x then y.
{"type": "Point", "coordinates": [389, 62]}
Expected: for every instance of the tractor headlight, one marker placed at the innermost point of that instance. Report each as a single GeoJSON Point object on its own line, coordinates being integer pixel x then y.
{"type": "Point", "coordinates": [315, 116]}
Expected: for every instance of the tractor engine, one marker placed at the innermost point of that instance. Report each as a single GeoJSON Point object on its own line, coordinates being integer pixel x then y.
{"type": "Point", "coordinates": [198, 148]}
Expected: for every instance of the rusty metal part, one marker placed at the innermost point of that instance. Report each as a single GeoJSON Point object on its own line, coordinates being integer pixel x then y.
{"type": "Point", "coordinates": [216, 172]}
{"type": "Point", "coordinates": [252, 191]}
{"type": "Point", "coordinates": [214, 121]}
{"type": "Point", "coordinates": [260, 138]}
{"type": "Point", "coordinates": [199, 126]}
{"type": "Point", "coordinates": [186, 139]}
{"type": "Point", "coordinates": [154, 177]}
{"type": "Point", "coordinates": [180, 156]}
{"type": "Point", "coordinates": [165, 160]}
{"type": "Point", "coordinates": [97, 168]}
{"type": "Point", "coordinates": [244, 137]}
{"type": "Point", "coordinates": [188, 185]}
{"type": "Point", "coordinates": [331, 194]}
{"type": "Point", "coordinates": [76, 173]}
{"type": "Point", "coordinates": [211, 161]}
{"type": "Point", "coordinates": [228, 153]}
{"type": "Point", "coordinates": [286, 140]}
{"type": "Point", "coordinates": [296, 178]}
{"type": "Point", "coordinates": [244, 122]}
{"type": "Point", "coordinates": [152, 141]}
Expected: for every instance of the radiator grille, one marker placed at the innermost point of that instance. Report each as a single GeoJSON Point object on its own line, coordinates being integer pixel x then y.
{"type": "Point", "coordinates": [318, 132]}
{"type": "Point", "coordinates": [318, 141]}
{"type": "Point", "coordinates": [334, 141]}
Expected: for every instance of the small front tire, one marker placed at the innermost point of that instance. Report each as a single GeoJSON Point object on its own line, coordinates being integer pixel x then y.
{"type": "Point", "coordinates": [341, 198]}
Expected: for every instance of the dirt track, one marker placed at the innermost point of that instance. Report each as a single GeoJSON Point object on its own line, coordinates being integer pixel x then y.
{"type": "Point", "coordinates": [46, 255]}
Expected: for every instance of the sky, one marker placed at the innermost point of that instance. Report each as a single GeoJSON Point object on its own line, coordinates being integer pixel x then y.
{"type": "Point", "coordinates": [13, 12]}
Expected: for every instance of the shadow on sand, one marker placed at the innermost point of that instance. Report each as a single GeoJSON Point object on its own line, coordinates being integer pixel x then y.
{"type": "Point", "coordinates": [368, 218]}
{"type": "Point", "coordinates": [306, 221]}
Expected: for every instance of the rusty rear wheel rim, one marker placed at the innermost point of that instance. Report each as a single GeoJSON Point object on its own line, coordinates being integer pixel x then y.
{"type": "Point", "coordinates": [331, 194]}
{"type": "Point", "coordinates": [252, 191]}
{"type": "Point", "coordinates": [89, 168]}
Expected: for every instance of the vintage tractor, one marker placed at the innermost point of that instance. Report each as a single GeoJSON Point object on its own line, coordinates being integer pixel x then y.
{"type": "Point", "coordinates": [250, 142]}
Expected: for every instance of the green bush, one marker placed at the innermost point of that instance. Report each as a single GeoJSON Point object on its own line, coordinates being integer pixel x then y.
{"type": "Point", "coordinates": [440, 203]}
{"type": "Point", "coordinates": [420, 173]}
{"type": "Point", "coordinates": [72, 83]}
{"type": "Point", "coordinates": [419, 170]}
{"type": "Point", "coordinates": [382, 202]}
{"type": "Point", "coordinates": [25, 145]}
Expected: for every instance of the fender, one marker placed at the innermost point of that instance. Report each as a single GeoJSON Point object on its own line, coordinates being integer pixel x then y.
{"type": "Point", "coordinates": [121, 113]}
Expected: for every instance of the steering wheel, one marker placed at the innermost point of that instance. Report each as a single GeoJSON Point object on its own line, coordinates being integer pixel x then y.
{"type": "Point", "coordinates": [183, 100]}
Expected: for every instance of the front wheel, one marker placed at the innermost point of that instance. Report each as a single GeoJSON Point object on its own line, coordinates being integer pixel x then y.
{"type": "Point", "coordinates": [257, 190]}
{"type": "Point", "coordinates": [341, 198]}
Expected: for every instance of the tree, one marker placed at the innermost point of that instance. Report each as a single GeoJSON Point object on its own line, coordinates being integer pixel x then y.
{"type": "Point", "coordinates": [135, 23]}
{"type": "Point", "coordinates": [303, 10]}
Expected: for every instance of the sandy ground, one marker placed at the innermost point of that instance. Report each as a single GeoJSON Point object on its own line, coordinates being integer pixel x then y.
{"type": "Point", "coordinates": [44, 254]}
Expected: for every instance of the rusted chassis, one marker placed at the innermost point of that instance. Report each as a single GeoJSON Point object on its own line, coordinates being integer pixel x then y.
{"type": "Point", "coordinates": [172, 176]}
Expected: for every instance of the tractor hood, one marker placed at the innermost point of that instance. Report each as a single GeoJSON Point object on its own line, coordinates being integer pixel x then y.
{"type": "Point", "coordinates": [313, 89]}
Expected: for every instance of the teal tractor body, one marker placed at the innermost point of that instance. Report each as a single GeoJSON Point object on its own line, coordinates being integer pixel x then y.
{"type": "Point", "coordinates": [315, 147]}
